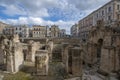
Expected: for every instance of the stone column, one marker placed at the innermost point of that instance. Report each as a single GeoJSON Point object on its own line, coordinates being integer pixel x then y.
{"type": "Point", "coordinates": [107, 59]}
{"type": "Point", "coordinates": [91, 53]}
{"type": "Point", "coordinates": [10, 64]}
{"type": "Point", "coordinates": [117, 57]}
{"type": "Point", "coordinates": [1, 57]}
{"type": "Point", "coordinates": [41, 62]}
{"type": "Point", "coordinates": [32, 47]}
{"type": "Point", "coordinates": [76, 61]}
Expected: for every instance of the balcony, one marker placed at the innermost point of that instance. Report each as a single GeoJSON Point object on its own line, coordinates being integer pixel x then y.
{"type": "Point", "coordinates": [118, 12]}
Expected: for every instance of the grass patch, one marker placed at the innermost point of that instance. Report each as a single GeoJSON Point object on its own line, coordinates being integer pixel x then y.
{"type": "Point", "coordinates": [17, 76]}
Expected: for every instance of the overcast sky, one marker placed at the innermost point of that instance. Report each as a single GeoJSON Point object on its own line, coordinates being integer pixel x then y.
{"type": "Point", "coordinates": [64, 13]}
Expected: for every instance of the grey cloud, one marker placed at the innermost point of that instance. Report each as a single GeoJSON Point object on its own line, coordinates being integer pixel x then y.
{"type": "Point", "coordinates": [39, 8]}
{"type": "Point", "coordinates": [87, 4]}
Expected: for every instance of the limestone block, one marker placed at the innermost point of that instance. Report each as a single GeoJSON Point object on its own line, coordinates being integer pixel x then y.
{"type": "Point", "coordinates": [1, 57]}
{"type": "Point", "coordinates": [32, 48]}
{"type": "Point", "coordinates": [108, 60]}
{"type": "Point", "coordinates": [10, 64]}
{"type": "Point", "coordinates": [41, 62]}
{"type": "Point", "coordinates": [117, 55]}
{"type": "Point", "coordinates": [91, 54]}
{"type": "Point", "coordinates": [18, 55]}
{"type": "Point", "coordinates": [107, 41]}
{"type": "Point", "coordinates": [15, 60]}
{"type": "Point", "coordinates": [16, 38]}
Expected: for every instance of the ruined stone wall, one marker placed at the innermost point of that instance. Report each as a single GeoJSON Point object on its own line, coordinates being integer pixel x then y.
{"type": "Point", "coordinates": [91, 54]}
{"type": "Point", "coordinates": [76, 61]}
{"type": "Point", "coordinates": [1, 56]}
{"type": "Point", "coordinates": [41, 62]}
{"type": "Point", "coordinates": [18, 55]}
{"type": "Point", "coordinates": [32, 47]}
{"type": "Point", "coordinates": [11, 53]}
{"type": "Point", "coordinates": [49, 47]}
{"type": "Point", "coordinates": [72, 59]}
{"type": "Point", "coordinates": [109, 50]}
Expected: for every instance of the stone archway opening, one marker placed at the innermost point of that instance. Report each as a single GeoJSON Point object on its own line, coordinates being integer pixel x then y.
{"type": "Point", "coordinates": [99, 48]}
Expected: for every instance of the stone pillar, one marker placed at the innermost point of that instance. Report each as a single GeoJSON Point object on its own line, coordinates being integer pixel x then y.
{"type": "Point", "coordinates": [91, 54]}
{"type": "Point", "coordinates": [1, 57]}
{"type": "Point", "coordinates": [15, 58]}
{"type": "Point", "coordinates": [18, 57]}
{"type": "Point", "coordinates": [76, 61]}
{"type": "Point", "coordinates": [107, 63]}
{"type": "Point", "coordinates": [50, 49]}
{"type": "Point", "coordinates": [66, 50]}
{"type": "Point", "coordinates": [117, 57]}
{"type": "Point", "coordinates": [10, 64]}
{"type": "Point", "coordinates": [32, 47]}
{"type": "Point", "coordinates": [41, 62]}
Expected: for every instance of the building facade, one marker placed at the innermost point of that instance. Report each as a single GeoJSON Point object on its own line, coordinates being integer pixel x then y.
{"type": "Point", "coordinates": [8, 30]}
{"type": "Point", "coordinates": [74, 30]}
{"type": "Point", "coordinates": [21, 30]}
{"type": "Point", "coordinates": [39, 31]}
{"type": "Point", "coordinates": [109, 13]}
{"type": "Point", "coordinates": [54, 31]}
{"type": "Point", "coordinates": [62, 33]}
{"type": "Point", "coordinates": [2, 26]}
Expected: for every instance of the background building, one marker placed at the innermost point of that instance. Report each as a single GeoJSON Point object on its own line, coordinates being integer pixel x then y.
{"type": "Point", "coordinates": [2, 26]}
{"type": "Point", "coordinates": [109, 13]}
{"type": "Point", "coordinates": [21, 30]}
{"type": "Point", "coordinates": [8, 30]}
{"type": "Point", "coordinates": [39, 31]}
{"type": "Point", "coordinates": [74, 30]}
{"type": "Point", "coordinates": [54, 31]}
{"type": "Point", "coordinates": [62, 33]}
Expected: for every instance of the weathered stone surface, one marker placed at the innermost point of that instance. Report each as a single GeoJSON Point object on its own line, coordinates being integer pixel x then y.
{"type": "Point", "coordinates": [106, 52]}
{"type": "Point", "coordinates": [50, 46]}
{"type": "Point", "coordinates": [72, 59]}
{"type": "Point", "coordinates": [1, 57]}
{"type": "Point", "coordinates": [41, 62]}
{"type": "Point", "coordinates": [14, 57]}
{"type": "Point", "coordinates": [32, 47]}
{"type": "Point", "coordinates": [12, 51]}
{"type": "Point", "coordinates": [91, 55]}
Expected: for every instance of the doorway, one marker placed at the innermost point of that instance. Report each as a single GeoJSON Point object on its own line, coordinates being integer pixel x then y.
{"type": "Point", "coordinates": [99, 48]}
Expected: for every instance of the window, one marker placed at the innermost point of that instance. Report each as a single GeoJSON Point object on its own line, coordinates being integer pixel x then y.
{"type": "Point", "coordinates": [118, 16]}
{"type": "Point", "coordinates": [97, 15]}
{"type": "Point", "coordinates": [102, 12]}
{"type": "Point", "coordinates": [109, 9]}
{"type": "Point", "coordinates": [118, 7]}
{"type": "Point", "coordinates": [109, 17]}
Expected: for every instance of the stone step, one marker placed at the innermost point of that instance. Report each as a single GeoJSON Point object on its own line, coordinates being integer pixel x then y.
{"type": "Point", "coordinates": [100, 76]}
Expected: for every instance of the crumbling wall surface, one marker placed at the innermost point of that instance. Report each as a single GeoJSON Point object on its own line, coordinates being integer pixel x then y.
{"type": "Point", "coordinates": [1, 55]}
{"type": "Point", "coordinates": [12, 53]}
{"type": "Point", "coordinates": [41, 62]}
{"type": "Point", "coordinates": [32, 47]}
{"type": "Point", "coordinates": [50, 46]}
{"type": "Point", "coordinates": [18, 56]}
{"type": "Point", "coordinates": [109, 48]}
